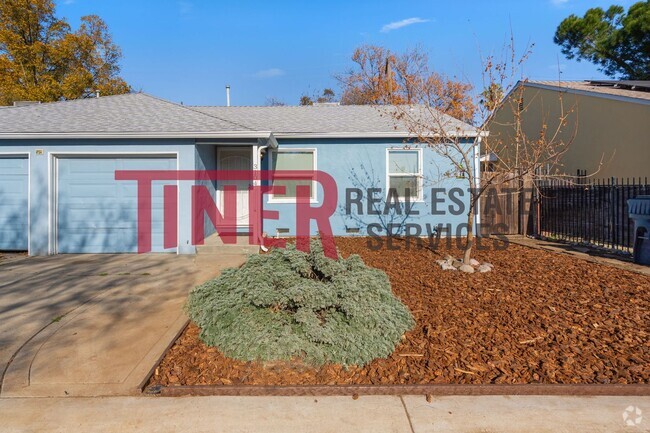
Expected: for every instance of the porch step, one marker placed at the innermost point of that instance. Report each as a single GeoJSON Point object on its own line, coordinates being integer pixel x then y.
{"type": "Point", "coordinates": [227, 249]}
{"type": "Point", "coordinates": [214, 245]}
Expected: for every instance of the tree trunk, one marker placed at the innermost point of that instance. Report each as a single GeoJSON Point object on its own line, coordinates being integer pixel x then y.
{"type": "Point", "coordinates": [469, 244]}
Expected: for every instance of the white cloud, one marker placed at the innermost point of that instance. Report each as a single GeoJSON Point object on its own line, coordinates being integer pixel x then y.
{"type": "Point", "coordinates": [559, 2]}
{"type": "Point", "coordinates": [403, 23]}
{"type": "Point", "coordinates": [269, 73]}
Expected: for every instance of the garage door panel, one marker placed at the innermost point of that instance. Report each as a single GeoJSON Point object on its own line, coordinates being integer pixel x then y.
{"type": "Point", "coordinates": [96, 213]}
{"type": "Point", "coordinates": [106, 216]}
{"type": "Point", "coordinates": [14, 175]}
{"type": "Point", "coordinates": [102, 241]}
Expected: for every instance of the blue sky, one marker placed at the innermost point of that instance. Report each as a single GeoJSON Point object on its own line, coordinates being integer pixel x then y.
{"type": "Point", "coordinates": [188, 50]}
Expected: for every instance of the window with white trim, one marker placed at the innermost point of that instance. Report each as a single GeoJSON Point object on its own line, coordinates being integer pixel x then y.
{"type": "Point", "coordinates": [293, 159]}
{"type": "Point", "coordinates": [404, 172]}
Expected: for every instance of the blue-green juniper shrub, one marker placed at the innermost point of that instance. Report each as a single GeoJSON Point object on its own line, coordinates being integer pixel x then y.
{"type": "Point", "coordinates": [288, 304]}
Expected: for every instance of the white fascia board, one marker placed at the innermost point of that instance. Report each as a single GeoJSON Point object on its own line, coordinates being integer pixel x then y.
{"type": "Point", "coordinates": [272, 142]}
{"type": "Point", "coordinates": [455, 134]}
{"type": "Point", "coordinates": [99, 135]}
{"type": "Point", "coordinates": [272, 137]}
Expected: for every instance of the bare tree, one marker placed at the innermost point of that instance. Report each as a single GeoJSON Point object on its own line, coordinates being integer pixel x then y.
{"type": "Point", "coordinates": [274, 102]}
{"type": "Point", "coordinates": [380, 76]}
{"type": "Point", "coordinates": [325, 97]}
{"type": "Point", "coordinates": [387, 212]}
{"type": "Point", "coordinates": [521, 157]}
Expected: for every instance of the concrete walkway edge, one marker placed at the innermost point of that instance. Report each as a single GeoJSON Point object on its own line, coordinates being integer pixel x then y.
{"type": "Point", "coordinates": [149, 363]}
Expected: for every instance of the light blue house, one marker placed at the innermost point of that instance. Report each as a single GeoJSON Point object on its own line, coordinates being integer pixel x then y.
{"type": "Point", "coordinates": [58, 192]}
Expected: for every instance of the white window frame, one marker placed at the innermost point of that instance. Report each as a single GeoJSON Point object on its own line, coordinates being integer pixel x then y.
{"type": "Point", "coordinates": [419, 174]}
{"type": "Point", "coordinates": [314, 192]}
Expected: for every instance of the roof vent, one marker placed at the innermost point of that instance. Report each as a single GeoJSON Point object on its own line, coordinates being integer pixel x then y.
{"type": "Point", "coordinates": [25, 103]}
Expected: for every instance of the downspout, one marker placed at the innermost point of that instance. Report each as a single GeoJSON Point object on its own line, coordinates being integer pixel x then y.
{"type": "Point", "coordinates": [477, 184]}
{"type": "Point", "coordinates": [261, 150]}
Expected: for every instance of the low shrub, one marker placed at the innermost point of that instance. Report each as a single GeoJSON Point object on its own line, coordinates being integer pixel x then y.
{"type": "Point", "coordinates": [288, 304]}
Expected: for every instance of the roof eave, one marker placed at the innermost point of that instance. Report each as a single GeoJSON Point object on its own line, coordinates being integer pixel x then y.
{"type": "Point", "coordinates": [226, 135]}
{"type": "Point", "coordinates": [115, 135]}
{"type": "Point", "coordinates": [451, 134]}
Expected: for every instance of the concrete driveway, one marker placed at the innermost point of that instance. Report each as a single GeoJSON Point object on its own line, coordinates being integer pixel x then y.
{"type": "Point", "coordinates": [90, 325]}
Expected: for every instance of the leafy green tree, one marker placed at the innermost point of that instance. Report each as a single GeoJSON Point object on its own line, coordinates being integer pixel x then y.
{"type": "Point", "coordinates": [42, 59]}
{"type": "Point", "coordinates": [617, 41]}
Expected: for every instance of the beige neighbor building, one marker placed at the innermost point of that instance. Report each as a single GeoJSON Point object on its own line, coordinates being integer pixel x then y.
{"type": "Point", "coordinates": [608, 124]}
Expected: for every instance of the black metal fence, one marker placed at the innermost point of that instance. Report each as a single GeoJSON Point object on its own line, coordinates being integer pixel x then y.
{"type": "Point", "coordinates": [586, 211]}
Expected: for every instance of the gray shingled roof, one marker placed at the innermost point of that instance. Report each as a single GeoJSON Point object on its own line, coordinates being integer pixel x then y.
{"type": "Point", "coordinates": [596, 90]}
{"type": "Point", "coordinates": [323, 119]}
{"type": "Point", "coordinates": [134, 112]}
{"type": "Point", "coordinates": [142, 114]}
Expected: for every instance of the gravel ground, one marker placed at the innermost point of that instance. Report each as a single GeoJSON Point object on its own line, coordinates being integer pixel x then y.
{"type": "Point", "coordinates": [538, 317]}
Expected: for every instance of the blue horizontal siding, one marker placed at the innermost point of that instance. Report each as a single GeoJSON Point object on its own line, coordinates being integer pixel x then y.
{"type": "Point", "coordinates": [91, 203]}
{"type": "Point", "coordinates": [340, 158]}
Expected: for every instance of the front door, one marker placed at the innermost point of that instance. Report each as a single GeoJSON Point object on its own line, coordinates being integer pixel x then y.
{"type": "Point", "coordinates": [235, 158]}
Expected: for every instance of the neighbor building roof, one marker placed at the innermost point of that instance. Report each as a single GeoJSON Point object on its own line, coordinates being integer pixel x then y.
{"type": "Point", "coordinates": [628, 90]}
{"type": "Point", "coordinates": [142, 115]}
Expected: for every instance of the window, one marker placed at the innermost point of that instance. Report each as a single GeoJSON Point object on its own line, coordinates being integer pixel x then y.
{"type": "Point", "coordinates": [405, 172]}
{"type": "Point", "coordinates": [293, 159]}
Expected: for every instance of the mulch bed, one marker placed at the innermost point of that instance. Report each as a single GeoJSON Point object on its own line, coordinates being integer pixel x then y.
{"type": "Point", "coordinates": [539, 317]}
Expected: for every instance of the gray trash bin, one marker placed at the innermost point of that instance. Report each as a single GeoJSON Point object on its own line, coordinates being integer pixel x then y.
{"type": "Point", "coordinates": [639, 210]}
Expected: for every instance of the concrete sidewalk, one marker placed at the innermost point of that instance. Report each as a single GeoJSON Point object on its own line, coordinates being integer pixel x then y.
{"type": "Point", "coordinates": [93, 325]}
{"type": "Point", "coordinates": [324, 414]}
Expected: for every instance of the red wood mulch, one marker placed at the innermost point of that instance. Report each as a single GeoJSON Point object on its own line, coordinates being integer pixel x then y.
{"type": "Point", "coordinates": [539, 317]}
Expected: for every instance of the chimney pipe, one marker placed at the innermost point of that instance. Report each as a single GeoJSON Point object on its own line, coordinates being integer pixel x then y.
{"type": "Point", "coordinates": [227, 96]}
